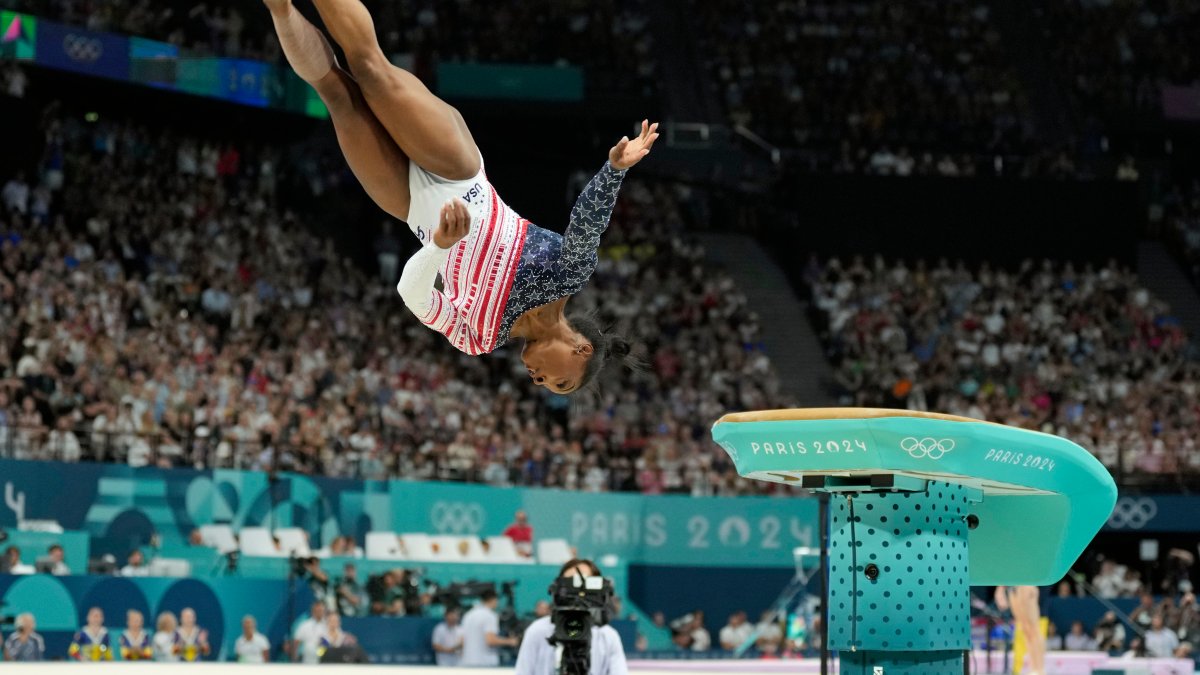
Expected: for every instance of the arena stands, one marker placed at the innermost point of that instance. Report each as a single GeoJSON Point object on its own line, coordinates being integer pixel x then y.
{"type": "Point", "coordinates": [1085, 353]}
{"type": "Point", "coordinates": [1115, 57]}
{"type": "Point", "coordinates": [871, 86]}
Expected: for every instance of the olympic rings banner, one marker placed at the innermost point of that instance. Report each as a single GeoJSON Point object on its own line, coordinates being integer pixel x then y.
{"type": "Point", "coordinates": [120, 507]}
{"type": "Point", "coordinates": [82, 51]}
{"type": "Point", "coordinates": [154, 64]}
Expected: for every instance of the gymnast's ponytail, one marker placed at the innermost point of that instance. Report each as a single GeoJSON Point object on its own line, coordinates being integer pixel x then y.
{"type": "Point", "coordinates": [606, 348]}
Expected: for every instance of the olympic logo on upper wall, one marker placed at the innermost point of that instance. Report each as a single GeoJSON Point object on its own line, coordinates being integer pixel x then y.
{"type": "Point", "coordinates": [82, 48]}
{"type": "Point", "coordinates": [932, 448]}
{"type": "Point", "coordinates": [1133, 512]}
{"type": "Point", "coordinates": [457, 517]}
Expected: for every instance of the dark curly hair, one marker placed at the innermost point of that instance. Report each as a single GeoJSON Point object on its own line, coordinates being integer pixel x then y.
{"type": "Point", "coordinates": [605, 348]}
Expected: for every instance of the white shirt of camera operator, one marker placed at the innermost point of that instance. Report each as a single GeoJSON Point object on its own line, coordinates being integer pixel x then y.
{"type": "Point", "coordinates": [538, 657]}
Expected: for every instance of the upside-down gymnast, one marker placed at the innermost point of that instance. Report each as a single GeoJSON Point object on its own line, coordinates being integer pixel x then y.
{"type": "Point", "coordinates": [1023, 602]}
{"type": "Point", "coordinates": [502, 276]}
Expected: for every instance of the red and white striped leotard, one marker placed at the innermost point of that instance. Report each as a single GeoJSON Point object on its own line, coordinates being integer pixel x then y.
{"type": "Point", "coordinates": [487, 282]}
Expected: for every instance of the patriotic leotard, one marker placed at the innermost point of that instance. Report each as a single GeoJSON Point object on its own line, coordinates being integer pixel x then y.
{"type": "Point", "coordinates": [505, 266]}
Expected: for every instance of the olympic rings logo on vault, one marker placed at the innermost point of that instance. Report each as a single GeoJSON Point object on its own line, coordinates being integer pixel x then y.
{"type": "Point", "coordinates": [927, 448]}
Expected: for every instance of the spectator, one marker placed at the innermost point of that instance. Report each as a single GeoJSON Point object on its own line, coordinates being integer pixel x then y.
{"type": "Point", "coordinates": [448, 639]}
{"type": "Point", "coordinates": [307, 637]}
{"type": "Point", "coordinates": [1054, 641]}
{"type": "Point", "coordinates": [688, 632]}
{"type": "Point", "coordinates": [25, 644]}
{"type": "Point", "coordinates": [92, 642]}
{"type": "Point", "coordinates": [1161, 641]}
{"type": "Point", "coordinates": [1143, 615]}
{"type": "Point", "coordinates": [351, 597]}
{"type": "Point", "coordinates": [251, 646]}
{"type": "Point", "coordinates": [136, 565]}
{"type": "Point", "coordinates": [1108, 580]}
{"type": "Point", "coordinates": [15, 81]}
{"type": "Point", "coordinates": [541, 608]}
{"type": "Point", "coordinates": [521, 534]}
{"type": "Point", "coordinates": [1078, 639]}
{"type": "Point", "coordinates": [135, 643]}
{"type": "Point", "coordinates": [15, 194]}
{"type": "Point", "coordinates": [55, 562]}
{"type": "Point", "coordinates": [193, 640]}
{"type": "Point", "coordinates": [62, 444]}
{"type": "Point", "coordinates": [481, 633]}
{"type": "Point", "coordinates": [1110, 633]}
{"type": "Point", "coordinates": [701, 641]}
{"type": "Point", "coordinates": [335, 637]}
{"type": "Point", "coordinates": [11, 563]}
{"type": "Point", "coordinates": [770, 634]}
{"type": "Point", "coordinates": [166, 639]}
{"type": "Point", "coordinates": [736, 632]}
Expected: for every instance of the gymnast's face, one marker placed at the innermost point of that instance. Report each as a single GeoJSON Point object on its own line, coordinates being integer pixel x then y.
{"type": "Point", "coordinates": [557, 363]}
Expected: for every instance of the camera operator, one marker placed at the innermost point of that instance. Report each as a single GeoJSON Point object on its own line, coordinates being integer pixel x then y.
{"type": "Point", "coordinates": [538, 656]}
{"type": "Point", "coordinates": [481, 633]}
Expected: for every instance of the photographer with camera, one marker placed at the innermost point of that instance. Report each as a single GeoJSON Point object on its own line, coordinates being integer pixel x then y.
{"type": "Point", "coordinates": [481, 633]}
{"type": "Point", "coordinates": [576, 638]}
{"type": "Point", "coordinates": [25, 644]}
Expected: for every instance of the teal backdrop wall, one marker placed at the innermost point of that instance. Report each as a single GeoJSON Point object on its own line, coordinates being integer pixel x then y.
{"type": "Point", "coordinates": [121, 508]}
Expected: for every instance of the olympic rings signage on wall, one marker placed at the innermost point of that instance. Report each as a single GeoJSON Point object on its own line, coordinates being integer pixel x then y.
{"type": "Point", "coordinates": [927, 448]}
{"type": "Point", "coordinates": [457, 517]}
{"type": "Point", "coordinates": [1133, 513]}
{"type": "Point", "coordinates": [82, 51]}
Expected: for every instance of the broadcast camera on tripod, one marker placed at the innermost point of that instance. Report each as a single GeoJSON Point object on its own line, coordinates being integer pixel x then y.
{"type": "Point", "coordinates": [580, 603]}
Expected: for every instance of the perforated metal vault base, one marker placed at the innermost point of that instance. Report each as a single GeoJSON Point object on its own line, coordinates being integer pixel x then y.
{"type": "Point", "coordinates": [899, 596]}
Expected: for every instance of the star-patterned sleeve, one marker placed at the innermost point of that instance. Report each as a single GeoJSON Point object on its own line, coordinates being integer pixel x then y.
{"type": "Point", "coordinates": [589, 219]}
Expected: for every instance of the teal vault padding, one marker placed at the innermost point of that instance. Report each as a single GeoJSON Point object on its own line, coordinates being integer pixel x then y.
{"type": "Point", "coordinates": [1041, 495]}
{"type": "Point", "coordinates": [921, 507]}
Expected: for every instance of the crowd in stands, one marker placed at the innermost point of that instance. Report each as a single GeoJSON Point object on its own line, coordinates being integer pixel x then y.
{"type": "Point", "coordinates": [868, 85]}
{"type": "Point", "coordinates": [1115, 56]}
{"type": "Point", "coordinates": [1085, 353]}
{"type": "Point", "coordinates": [158, 306]}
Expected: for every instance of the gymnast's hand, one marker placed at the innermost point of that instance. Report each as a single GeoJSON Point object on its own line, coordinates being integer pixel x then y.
{"type": "Point", "coordinates": [626, 153]}
{"type": "Point", "coordinates": [454, 224]}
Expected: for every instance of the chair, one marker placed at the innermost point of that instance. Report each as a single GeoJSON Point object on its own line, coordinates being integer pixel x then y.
{"type": "Point", "coordinates": [554, 551]}
{"type": "Point", "coordinates": [170, 567]}
{"type": "Point", "coordinates": [293, 541]}
{"type": "Point", "coordinates": [501, 549]}
{"type": "Point", "coordinates": [384, 546]}
{"type": "Point", "coordinates": [448, 547]}
{"type": "Point", "coordinates": [219, 537]}
{"type": "Point", "coordinates": [50, 526]}
{"type": "Point", "coordinates": [418, 546]}
{"type": "Point", "coordinates": [257, 541]}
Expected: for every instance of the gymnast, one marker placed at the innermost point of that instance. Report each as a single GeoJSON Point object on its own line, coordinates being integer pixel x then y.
{"type": "Point", "coordinates": [502, 276]}
{"type": "Point", "coordinates": [1022, 601]}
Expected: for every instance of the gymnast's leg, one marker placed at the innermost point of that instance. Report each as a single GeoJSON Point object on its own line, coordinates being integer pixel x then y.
{"type": "Point", "coordinates": [430, 131]}
{"type": "Point", "coordinates": [1024, 600]}
{"type": "Point", "coordinates": [373, 156]}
